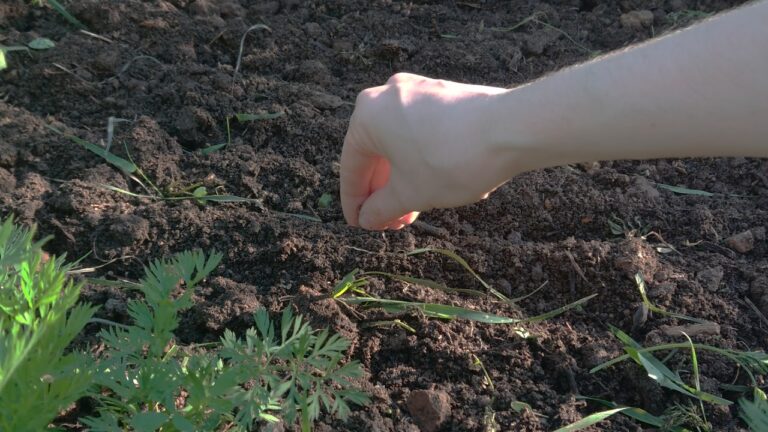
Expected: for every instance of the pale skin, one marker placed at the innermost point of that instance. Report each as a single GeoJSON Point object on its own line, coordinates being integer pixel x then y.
{"type": "Point", "coordinates": [416, 143]}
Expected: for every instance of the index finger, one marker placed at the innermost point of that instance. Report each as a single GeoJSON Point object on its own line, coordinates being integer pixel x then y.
{"type": "Point", "coordinates": [357, 169]}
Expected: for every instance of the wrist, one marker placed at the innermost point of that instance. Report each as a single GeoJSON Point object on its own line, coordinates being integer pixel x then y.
{"type": "Point", "coordinates": [517, 132]}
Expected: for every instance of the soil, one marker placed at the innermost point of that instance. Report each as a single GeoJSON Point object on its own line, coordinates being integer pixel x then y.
{"type": "Point", "coordinates": [168, 68]}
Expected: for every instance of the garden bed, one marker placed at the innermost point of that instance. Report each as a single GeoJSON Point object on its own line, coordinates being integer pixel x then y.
{"type": "Point", "coordinates": [169, 69]}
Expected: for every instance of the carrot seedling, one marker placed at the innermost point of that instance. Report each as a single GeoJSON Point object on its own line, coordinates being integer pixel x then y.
{"type": "Point", "coordinates": [39, 374]}
{"type": "Point", "coordinates": [755, 412]}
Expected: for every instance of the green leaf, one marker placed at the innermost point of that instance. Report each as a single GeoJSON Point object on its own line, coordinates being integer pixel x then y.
{"type": "Point", "coordinates": [350, 281]}
{"type": "Point", "coordinates": [200, 192]}
{"type": "Point", "coordinates": [660, 373]}
{"type": "Point", "coordinates": [325, 200]}
{"type": "Point", "coordinates": [148, 421]}
{"type": "Point", "coordinates": [560, 310]}
{"type": "Point", "coordinates": [212, 149]}
{"type": "Point", "coordinates": [432, 309]}
{"type": "Point", "coordinates": [638, 414]}
{"type": "Point", "coordinates": [183, 424]}
{"type": "Point", "coordinates": [41, 44]}
{"type": "Point", "coordinates": [755, 412]}
{"type": "Point", "coordinates": [227, 198]}
{"type": "Point", "coordinates": [3, 64]}
{"type": "Point", "coordinates": [684, 191]}
{"type": "Point", "coordinates": [243, 117]}
{"type": "Point", "coordinates": [124, 165]}
{"type": "Point", "coordinates": [463, 263]}
{"type": "Point", "coordinates": [590, 420]}
{"type": "Point", "coordinates": [640, 282]}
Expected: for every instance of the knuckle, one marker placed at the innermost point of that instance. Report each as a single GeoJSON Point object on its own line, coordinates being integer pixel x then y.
{"type": "Point", "coordinates": [401, 77]}
{"type": "Point", "coordinates": [396, 78]}
{"type": "Point", "coordinates": [363, 96]}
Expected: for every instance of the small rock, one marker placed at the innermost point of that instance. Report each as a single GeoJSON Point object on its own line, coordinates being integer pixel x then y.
{"type": "Point", "coordinates": [505, 287]}
{"type": "Point", "coordinates": [115, 306]}
{"type": "Point", "coordinates": [204, 8]}
{"type": "Point", "coordinates": [231, 9]}
{"type": "Point", "coordinates": [662, 289]}
{"type": "Point", "coordinates": [642, 189]}
{"type": "Point", "coordinates": [343, 46]}
{"type": "Point", "coordinates": [313, 71]}
{"type": "Point", "coordinates": [589, 167]}
{"type": "Point", "coordinates": [429, 408]}
{"type": "Point", "coordinates": [129, 229]}
{"type": "Point", "coordinates": [515, 237]}
{"type": "Point", "coordinates": [676, 5]}
{"type": "Point", "coordinates": [187, 51]}
{"type": "Point", "coordinates": [324, 100]}
{"type": "Point", "coordinates": [106, 61]}
{"type": "Point", "coordinates": [8, 155]}
{"type": "Point", "coordinates": [636, 256]}
{"type": "Point", "coordinates": [394, 50]}
{"type": "Point", "coordinates": [594, 354]}
{"type": "Point", "coordinates": [155, 24]}
{"type": "Point", "coordinates": [698, 329]}
{"type": "Point", "coordinates": [537, 42]}
{"type": "Point", "coordinates": [313, 30]}
{"type": "Point", "coordinates": [637, 19]}
{"type": "Point", "coordinates": [266, 8]}
{"type": "Point", "coordinates": [710, 278]}
{"type": "Point", "coordinates": [742, 242]}
{"type": "Point", "coordinates": [512, 56]}
{"type": "Point", "coordinates": [7, 181]}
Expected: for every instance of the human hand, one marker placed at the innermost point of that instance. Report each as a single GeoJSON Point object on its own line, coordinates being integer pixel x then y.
{"type": "Point", "coordinates": [415, 144]}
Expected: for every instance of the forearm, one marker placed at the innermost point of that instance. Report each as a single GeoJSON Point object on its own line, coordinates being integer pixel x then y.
{"type": "Point", "coordinates": [699, 92]}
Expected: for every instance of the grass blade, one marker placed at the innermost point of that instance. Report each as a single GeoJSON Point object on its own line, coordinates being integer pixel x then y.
{"type": "Point", "coordinates": [63, 12]}
{"type": "Point", "coordinates": [122, 164]}
{"type": "Point", "coordinates": [298, 216]}
{"type": "Point", "coordinates": [640, 282]}
{"type": "Point", "coordinates": [638, 414]}
{"type": "Point", "coordinates": [452, 255]}
{"type": "Point", "coordinates": [660, 373]}
{"type": "Point", "coordinates": [696, 376]}
{"type": "Point", "coordinates": [432, 309]}
{"type": "Point", "coordinates": [223, 198]}
{"type": "Point", "coordinates": [129, 193]}
{"type": "Point", "coordinates": [352, 281]}
{"type": "Point", "coordinates": [436, 310]}
{"type": "Point", "coordinates": [212, 149]}
{"type": "Point", "coordinates": [684, 191]}
{"type": "Point", "coordinates": [590, 420]}
{"type": "Point", "coordinates": [113, 283]}
{"type": "Point", "coordinates": [424, 282]}
{"type": "Point", "coordinates": [560, 310]}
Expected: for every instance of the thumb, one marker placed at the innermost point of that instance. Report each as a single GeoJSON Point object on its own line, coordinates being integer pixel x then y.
{"type": "Point", "coordinates": [381, 208]}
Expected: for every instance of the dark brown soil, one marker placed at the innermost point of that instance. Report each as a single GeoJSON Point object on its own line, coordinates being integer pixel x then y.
{"type": "Point", "coordinates": [168, 68]}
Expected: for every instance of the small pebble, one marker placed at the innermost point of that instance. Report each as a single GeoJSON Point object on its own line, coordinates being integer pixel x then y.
{"type": "Point", "coordinates": [637, 19]}
{"type": "Point", "coordinates": [742, 242]}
